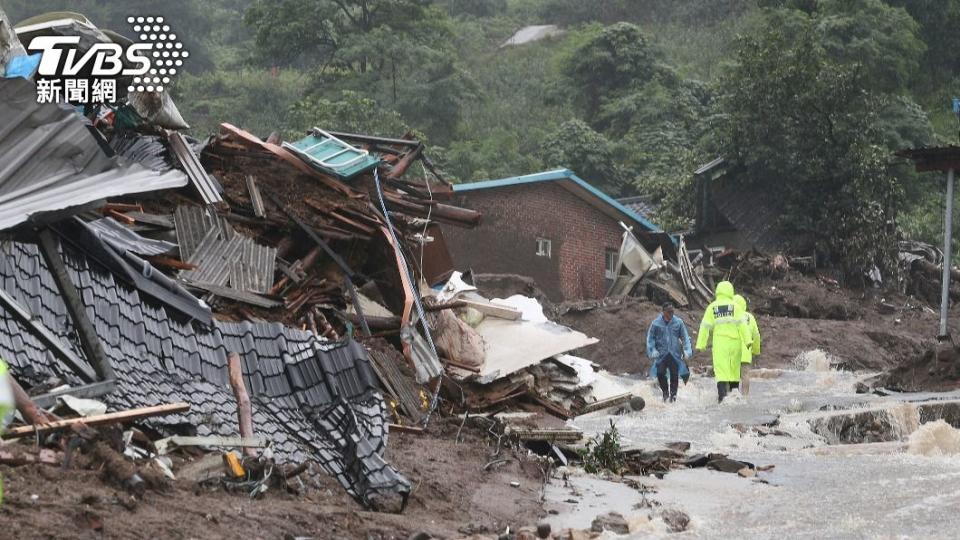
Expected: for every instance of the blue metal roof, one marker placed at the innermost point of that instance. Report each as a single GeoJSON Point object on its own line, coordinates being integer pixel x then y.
{"type": "Point", "coordinates": [559, 174]}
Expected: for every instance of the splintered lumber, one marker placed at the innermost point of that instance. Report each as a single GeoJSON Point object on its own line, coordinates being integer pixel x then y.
{"type": "Point", "coordinates": [121, 417]}
{"type": "Point", "coordinates": [614, 401]}
{"type": "Point", "coordinates": [552, 435]}
{"type": "Point", "coordinates": [244, 411]}
{"type": "Point", "coordinates": [255, 199]}
{"type": "Point", "coordinates": [494, 310]}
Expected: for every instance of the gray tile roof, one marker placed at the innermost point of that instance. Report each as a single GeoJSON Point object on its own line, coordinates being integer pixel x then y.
{"type": "Point", "coordinates": [313, 400]}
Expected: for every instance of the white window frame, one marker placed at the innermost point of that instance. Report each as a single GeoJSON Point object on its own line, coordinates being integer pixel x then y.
{"type": "Point", "coordinates": [610, 265]}
{"type": "Point", "coordinates": [543, 247]}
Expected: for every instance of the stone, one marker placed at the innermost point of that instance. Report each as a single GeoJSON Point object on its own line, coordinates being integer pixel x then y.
{"type": "Point", "coordinates": [637, 403]}
{"type": "Point", "coordinates": [526, 533]}
{"type": "Point", "coordinates": [676, 520]}
{"type": "Point", "coordinates": [611, 521]}
{"type": "Point", "coordinates": [728, 465]}
{"type": "Point", "coordinates": [679, 446]}
{"type": "Point", "coordinates": [543, 530]}
{"type": "Point", "coordinates": [696, 461]}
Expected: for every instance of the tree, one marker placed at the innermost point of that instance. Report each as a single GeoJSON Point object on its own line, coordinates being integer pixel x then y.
{"type": "Point", "coordinates": [588, 153]}
{"type": "Point", "coordinates": [305, 32]}
{"type": "Point", "coordinates": [617, 59]}
{"type": "Point", "coordinates": [883, 40]}
{"type": "Point", "coordinates": [804, 125]}
{"type": "Point", "coordinates": [350, 112]}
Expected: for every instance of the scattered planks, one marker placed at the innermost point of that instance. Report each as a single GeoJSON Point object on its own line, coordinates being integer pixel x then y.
{"type": "Point", "coordinates": [99, 420]}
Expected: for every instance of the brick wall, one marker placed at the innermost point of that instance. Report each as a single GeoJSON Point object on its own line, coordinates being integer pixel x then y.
{"type": "Point", "coordinates": [515, 216]}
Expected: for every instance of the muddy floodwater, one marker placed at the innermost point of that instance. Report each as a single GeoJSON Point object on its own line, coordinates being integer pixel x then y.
{"type": "Point", "coordinates": [846, 465]}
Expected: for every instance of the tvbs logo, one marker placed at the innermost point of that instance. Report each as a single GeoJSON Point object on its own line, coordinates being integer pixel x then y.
{"type": "Point", "coordinates": [90, 77]}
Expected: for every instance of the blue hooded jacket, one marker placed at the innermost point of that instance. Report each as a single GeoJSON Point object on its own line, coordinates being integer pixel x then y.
{"type": "Point", "coordinates": [664, 338]}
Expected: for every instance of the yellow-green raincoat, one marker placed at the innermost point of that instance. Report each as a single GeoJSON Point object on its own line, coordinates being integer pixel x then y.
{"type": "Point", "coordinates": [725, 321]}
{"type": "Point", "coordinates": [752, 329]}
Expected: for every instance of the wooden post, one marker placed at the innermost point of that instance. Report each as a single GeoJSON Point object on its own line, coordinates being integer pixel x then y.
{"type": "Point", "coordinates": [244, 411]}
{"type": "Point", "coordinates": [31, 413]}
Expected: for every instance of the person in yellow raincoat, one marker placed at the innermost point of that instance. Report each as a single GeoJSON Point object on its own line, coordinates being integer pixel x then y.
{"type": "Point", "coordinates": [726, 324]}
{"type": "Point", "coordinates": [746, 362]}
{"type": "Point", "coordinates": [7, 405]}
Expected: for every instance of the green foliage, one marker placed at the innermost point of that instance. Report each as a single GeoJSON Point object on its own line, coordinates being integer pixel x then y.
{"type": "Point", "coordinates": [351, 112]}
{"type": "Point", "coordinates": [254, 99]}
{"type": "Point", "coordinates": [803, 125]}
{"type": "Point", "coordinates": [576, 146]}
{"type": "Point", "coordinates": [883, 40]}
{"type": "Point", "coordinates": [602, 452]}
{"type": "Point", "coordinates": [618, 58]}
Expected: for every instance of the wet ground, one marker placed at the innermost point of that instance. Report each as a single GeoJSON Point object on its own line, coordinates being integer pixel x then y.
{"type": "Point", "coordinates": [815, 490]}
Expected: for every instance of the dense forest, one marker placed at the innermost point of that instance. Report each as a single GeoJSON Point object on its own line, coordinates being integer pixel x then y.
{"type": "Point", "coordinates": [810, 97]}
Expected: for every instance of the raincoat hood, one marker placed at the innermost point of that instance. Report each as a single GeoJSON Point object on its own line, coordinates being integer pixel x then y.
{"type": "Point", "coordinates": [740, 303]}
{"type": "Point", "coordinates": [725, 290]}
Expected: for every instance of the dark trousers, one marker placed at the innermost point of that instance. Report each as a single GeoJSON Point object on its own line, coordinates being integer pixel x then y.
{"type": "Point", "coordinates": [668, 363]}
{"type": "Point", "coordinates": [724, 387]}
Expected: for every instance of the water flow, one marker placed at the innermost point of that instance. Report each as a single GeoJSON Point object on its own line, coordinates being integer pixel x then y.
{"type": "Point", "coordinates": [821, 484]}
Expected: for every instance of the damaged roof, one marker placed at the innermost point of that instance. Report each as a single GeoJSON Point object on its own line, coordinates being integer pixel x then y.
{"type": "Point", "coordinates": [313, 400]}
{"type": "Point", "coordinates": [573, 183]}
{"type": "Point", "coordinates": [50, 160]}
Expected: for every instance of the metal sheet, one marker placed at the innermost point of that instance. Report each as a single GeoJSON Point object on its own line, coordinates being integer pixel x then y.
{"type": "Point", "coordinates": [49, 160]}
{"type": "Point", "coordinates": [213, 259]}
{"type": "Point", "coordinates": [190, 163]}
{"type": "Point", "coordinates": [123, 239]}
{"type": "Point", "coordinates": [194, 223]}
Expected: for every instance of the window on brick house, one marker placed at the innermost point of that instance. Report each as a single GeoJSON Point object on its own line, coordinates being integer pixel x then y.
{"type": "Point", "coordinates": [543, 247]}
{"type": "Point", "coordinates": [610, 263]}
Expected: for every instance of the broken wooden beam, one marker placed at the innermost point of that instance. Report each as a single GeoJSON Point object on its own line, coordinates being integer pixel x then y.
{"type": "Point", "coordinates": [614, 401]}
{"type": "Point", "coordinates": [28, 409]}
{"type": "Point", "coordinates": [255, 199]}
{"type": "Point", "coordinates": [552, 435]}
{"type": "Point", "coordinates": [494, 310]}
{"type": "Point", "coordinates": [244, 411]}
{"type": "Point", "coordinates": [121, 417]}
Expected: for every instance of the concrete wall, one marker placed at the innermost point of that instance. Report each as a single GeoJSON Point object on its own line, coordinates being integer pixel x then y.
{"type": "Point", "coordinates": [515, 216]}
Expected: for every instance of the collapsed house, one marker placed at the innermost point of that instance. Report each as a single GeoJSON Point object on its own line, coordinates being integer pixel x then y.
{"type": "Point", "coordinates": [306, 282]}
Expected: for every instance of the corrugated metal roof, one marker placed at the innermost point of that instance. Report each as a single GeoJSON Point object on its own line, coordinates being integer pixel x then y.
{"type": "Point", "coordinates": [147, 150]}
{"type": "Point", "coordinates": [213, 259]}
{"type": "Point", "coordinates": [562, 175]}
{"type": "Point", "coordinates": [123, 239]}
{"type": "Point", "coordinates": [193, 223]}
{"type": "Point", "coordinates": [49, 160]}
{"type": "Point", "coordinates": [206, 186]}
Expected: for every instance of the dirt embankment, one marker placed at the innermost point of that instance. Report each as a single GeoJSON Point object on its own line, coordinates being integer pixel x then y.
{"type": "Point", "coordinates": [869, 330]}
{"type": "Point", "coordinates": [452, 497]}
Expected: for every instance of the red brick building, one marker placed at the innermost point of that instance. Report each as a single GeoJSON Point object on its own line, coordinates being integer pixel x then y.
{"type": "Point", "coordinates": [553, 227]}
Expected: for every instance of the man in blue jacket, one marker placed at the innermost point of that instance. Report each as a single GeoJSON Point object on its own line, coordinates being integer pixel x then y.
{"type": "Point", "coordinates": [668, 345]}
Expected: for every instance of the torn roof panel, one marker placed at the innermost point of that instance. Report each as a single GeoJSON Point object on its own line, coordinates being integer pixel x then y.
{"type": "Point", "coordinates": [49, 160]}
{"type": "Point", "coordinates": [123, 239]}
{"type": "Point", "coordinates": [204, 183]}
